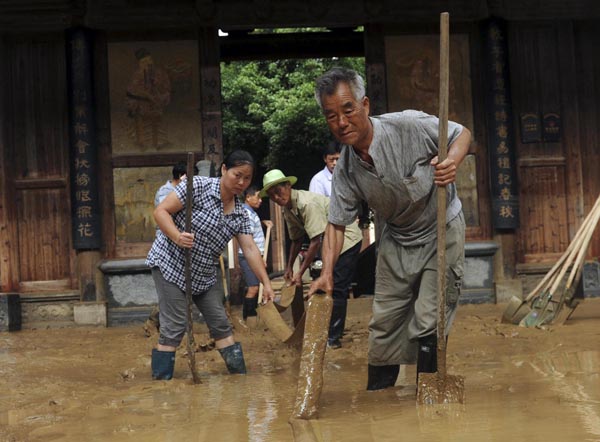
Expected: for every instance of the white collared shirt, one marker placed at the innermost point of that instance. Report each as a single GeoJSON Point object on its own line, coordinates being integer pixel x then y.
{"type": "Point", "coordinates": [321, 182]}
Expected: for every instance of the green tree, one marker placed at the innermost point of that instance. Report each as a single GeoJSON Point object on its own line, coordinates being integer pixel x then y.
{"type": "Point", "coordinates": [269, 109]}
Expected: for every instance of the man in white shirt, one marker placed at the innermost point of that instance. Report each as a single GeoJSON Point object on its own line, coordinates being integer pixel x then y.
{"type": "Point", "coordinates": [321, 182]}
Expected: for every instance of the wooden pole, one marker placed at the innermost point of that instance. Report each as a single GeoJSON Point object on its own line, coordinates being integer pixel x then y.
{"type": "Point", "coordinates": [441, 193]}
{"type": "Point", "coordinates": [189, 201]}
{"type": "Point", "coordinates": [261, 287]}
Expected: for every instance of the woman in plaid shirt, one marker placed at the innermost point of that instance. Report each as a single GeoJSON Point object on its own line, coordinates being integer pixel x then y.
{"type": "Point", "coordinates": [217, 216]}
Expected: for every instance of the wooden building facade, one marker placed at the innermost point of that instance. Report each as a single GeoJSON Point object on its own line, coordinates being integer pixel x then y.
{"type": "Point", "coordinates": [525, 80]}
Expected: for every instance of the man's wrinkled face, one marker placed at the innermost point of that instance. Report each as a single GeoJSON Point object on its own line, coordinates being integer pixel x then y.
{"type": "Point", "coordinates": [331, 161]}
{"type": "Point", "coordinates": [347, 117]}
{"type": "Point", "coordinates": [281, 194]}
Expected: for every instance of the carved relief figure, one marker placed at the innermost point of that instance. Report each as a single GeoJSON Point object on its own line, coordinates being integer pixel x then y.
{"type": "Point", "coordinates": [148, 94]}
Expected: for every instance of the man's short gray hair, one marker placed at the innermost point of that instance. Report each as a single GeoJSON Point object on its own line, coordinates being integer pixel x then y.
{"type": "Point", "coordinates": [327, 83]}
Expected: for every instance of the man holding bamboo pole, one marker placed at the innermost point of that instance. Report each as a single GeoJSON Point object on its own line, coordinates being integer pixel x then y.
{"type": "Point", "coordinates": [390, 162]}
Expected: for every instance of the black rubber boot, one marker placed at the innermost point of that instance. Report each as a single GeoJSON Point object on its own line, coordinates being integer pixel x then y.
{"type": "Point", "coordinates": [427, 357]}
{"type": "Point", "coordinates": [337, 323]}
{"type": "Point", "coordinates": [234, 358]}
{"type": "Point", "coordinates": [383, 376]}
{"type": "Point", "coordinates": [249, 307]}
{"type": "Point", "coordinates": [163, 364]}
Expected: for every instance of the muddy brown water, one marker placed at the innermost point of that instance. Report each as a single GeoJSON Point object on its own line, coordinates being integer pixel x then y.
{"type": "Point", "coordinates": [93, 384]}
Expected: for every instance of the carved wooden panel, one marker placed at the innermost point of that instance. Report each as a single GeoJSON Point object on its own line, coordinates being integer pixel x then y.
{"type": "Point", "coordinates": [544, 211]}
{"type": "Point", "coordinates": [44, 235]}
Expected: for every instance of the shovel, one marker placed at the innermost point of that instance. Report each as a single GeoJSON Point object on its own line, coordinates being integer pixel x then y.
{"type": "Point", "coordinates": [270, 316]}
{"type": "Point", "coordinates": [191, 346]}
{"type": "Point", "coordinates": [517, 310]}
{"type": "Point", "coordinates": [310, 377]}
{"type": "Point", "coordinates": [287, 295]}
{"type": "Point", "coordinates": [440, 387]}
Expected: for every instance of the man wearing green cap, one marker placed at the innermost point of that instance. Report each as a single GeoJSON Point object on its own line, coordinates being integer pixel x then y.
{"type": "Point", "coordinates": [306, 213]}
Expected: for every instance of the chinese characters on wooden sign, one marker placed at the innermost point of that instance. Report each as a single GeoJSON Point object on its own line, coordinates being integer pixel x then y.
{"type": "Point", "coordinates": [551, 127]}
{"type": "Point", "coordinates": [86, 228]}
{"type": "Point", "coordinates": [531, 130]}
{"type": "Point", "coordinates": [534, 131]}
{"type": "Point", "coordinates": [504, 190]}
{"type": "Point", "coordinates": [212, 132]}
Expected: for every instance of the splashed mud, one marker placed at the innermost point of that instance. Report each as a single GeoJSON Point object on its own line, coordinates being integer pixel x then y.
{"type": "Point", "coordinates": [92, 384]}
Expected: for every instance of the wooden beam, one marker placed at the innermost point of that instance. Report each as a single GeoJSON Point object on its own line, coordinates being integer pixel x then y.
{"type": "Point", "coordinates": [40, 183]}
{"type": "Point", "coordinates": [8, 242]}
{"type": "Point", "coordinates": [38, 15]}
{"type": "Point", "coordinates": [375, 69]}
{"type": "Point", "coordinates": [210, 95]}
{"type": "Point", "coordinates": [241, 46]}
{"type": "Point", "coordinates": [571, 134]}
{"type": "Point", "coordinates": [103, 137]}
{"type": "Point", "coordinates": [147, 160]}
{"type": "Point", "coordinates": [278, 255]}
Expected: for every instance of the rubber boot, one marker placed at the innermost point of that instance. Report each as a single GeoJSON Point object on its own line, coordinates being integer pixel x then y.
{"type": "Point", "coordinates": [427, 357]}
{"type": "Point", "coordinates": [383, 376]}
{"type": "Point", "coordinates": [163, 364]}
{"type": "Point", "coordinates": [249, 307]}
{"type": "Point", "coordinates": [234, 358]}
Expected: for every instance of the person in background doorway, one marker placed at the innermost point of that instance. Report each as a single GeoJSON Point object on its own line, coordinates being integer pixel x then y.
{"type": "Point", "coordinates": [252, 202]}
{"type": "Point", "coordinates": [390, 162]}
{"type": "Point", "coordinates": [217, 216]}
{"type": "Point", "coordinates": [178, 172]}
{"type": "Point", "coordinates": [321, 181]}
{"type": "Point", "coordinates": [306, 213]}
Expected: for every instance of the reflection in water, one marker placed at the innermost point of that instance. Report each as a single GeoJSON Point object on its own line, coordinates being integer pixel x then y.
{"type": "Point", "coordinates": [262, 410]}
{"type": "Point", "coordinates": [574, 376]}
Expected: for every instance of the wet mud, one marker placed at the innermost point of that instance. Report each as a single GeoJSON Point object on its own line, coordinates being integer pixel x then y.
{"type": "Point", "coordinates": [94, 384]}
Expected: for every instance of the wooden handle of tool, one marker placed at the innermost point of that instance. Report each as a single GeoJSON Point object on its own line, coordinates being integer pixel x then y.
{"type": "Point", "coordinates": [223, 277]}
{"type": "Point", "coordinates": [441, 192]}
{"type": "Point", "coordinates": [571, 256]}
{"type": "Point", "coordinates": [261, 287]}
{"type": "Point", "coordinates": [189, 201]}
{"type": "Point", "coordinates": [587, 237]}
{"type": "Point", "coordinates": [550, 277]}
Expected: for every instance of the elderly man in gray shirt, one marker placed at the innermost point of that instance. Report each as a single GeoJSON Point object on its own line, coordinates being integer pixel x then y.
{"type": "Point", "coordinates": [390, 162]}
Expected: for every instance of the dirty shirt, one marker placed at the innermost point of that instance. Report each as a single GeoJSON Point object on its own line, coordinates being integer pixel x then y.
{"type": "Point", "coordinates": [308, 216]}
{"type": "Point", "coordinates": [399, 186]}
{"type": "Point", "coordinates": [212, 231]}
